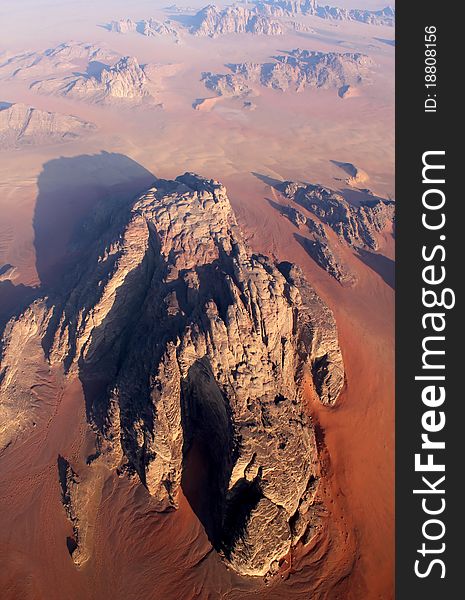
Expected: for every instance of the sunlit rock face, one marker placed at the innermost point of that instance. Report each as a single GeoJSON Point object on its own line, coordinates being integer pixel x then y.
{"type": "Point", "coordinates": [180, 335]}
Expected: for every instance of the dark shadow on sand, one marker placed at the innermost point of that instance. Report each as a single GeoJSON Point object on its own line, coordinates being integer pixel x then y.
{"type": "Point", "coordinates": [70, 191]}
{"type": "Point", "coordinates": [358, 197]}
{"type": "Point", "coordinates": [386, 41]}
{"type": "Point", "coordinates": [274, 183]}
{"type": "Point", "coordinates": [13, 300]}
{"type": "Point", "coordinates": [384, 266]}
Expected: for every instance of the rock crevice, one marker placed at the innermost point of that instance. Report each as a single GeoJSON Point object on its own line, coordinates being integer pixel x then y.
{"type": "Point", "coordinates": [182, 336]}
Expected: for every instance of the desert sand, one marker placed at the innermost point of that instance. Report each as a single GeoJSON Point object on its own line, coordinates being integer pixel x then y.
{"type": "Point", "coordinates": [47, 191]}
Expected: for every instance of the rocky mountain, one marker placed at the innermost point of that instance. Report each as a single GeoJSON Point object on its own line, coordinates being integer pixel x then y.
{"type": "Point", "coordinates": [287, 7]}
{"type": "Point", "coordinates": [355, 175]}
{"type": "Point", "coordinates": [296, 70]}
{"type": "Point", "coordinates": [385, 16]}
{"type": "Point", "coordinates": [175, 9]}
{"type": "Point", "coordinates": [126, 80]}
{"type": "Point", "coordinates": [148, 27]}
{"type": "Point", "coordinates": [122, 26]}
{"type": "Point", "coordinates": [181, 335]}
{"type": "Point", "coordinates": [22, 125]}
{"type": "Point", "coordinates": [319, 246]}
{"type": "Point", "coordinates": [357, 226]}
{"type": "Point", "coordinates": [213, 21]}
{"type": "Point", "coordinates": [64, 57]}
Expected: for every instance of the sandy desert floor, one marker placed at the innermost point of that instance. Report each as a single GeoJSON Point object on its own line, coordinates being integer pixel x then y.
{"type": "Point", "coordinates": [46, 191]}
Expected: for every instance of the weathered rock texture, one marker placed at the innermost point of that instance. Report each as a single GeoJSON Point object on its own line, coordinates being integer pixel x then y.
{"type": "Point", "coordinates": [318, 245]}
{"type": "Point", "coordinates": [180, 335]}
{"type": "Point", "coordinates": [69, 483]}
{"type": "Point", "coordinates": [296, 70]}
{"type": "Point", "coordinates": [122, 26]}
{"type": "Point", "coordinates": [126, 80]}
{"type": "Point", "coordinates": [148, 27]}
{"type": "Point", "coordinates": [213, 21]}
{"type": "Point", "coordinates": [358, 226]}
{"type": "Point", "coordinates": [355, 175]}
{"type": "Point", "coordinates": [384, 16]}
{"type": "Point", "coordinates": [22, 125]}
{"type": "Point", "coordinates": [64, 57]}
{"type": "Point", "coordinates": [152, 27]}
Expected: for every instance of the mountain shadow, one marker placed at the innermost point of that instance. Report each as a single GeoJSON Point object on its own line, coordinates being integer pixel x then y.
{"type": "Point", "coordinates": [70, 190]}
{"type": "Point", "coordinates": [385, 267]}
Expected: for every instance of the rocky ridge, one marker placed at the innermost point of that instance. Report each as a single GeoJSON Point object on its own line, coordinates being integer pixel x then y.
{"type": "Point", "coordinates": [213, 21]}
{"type": "Point", "coordinates": [357, 226]}
{"type": "Point", "coordinates": [180, 335]}
{"type": "Point", "coordinates": [64, 57]}
{"type": "Point", "coordinates": [297, 70]}
{"type": "Point", "coordinates": [384, 16]}
{"type": "Point", "coordinates": [355, 175]}
{"type": "Point", "coordinates": [126, 80]}
{"type": "Point", "coordinates": [149, 27]}
{"type": "Point", "coordinates": [319, 246]}
{"type": "Point", "coordinates": [22, 125]}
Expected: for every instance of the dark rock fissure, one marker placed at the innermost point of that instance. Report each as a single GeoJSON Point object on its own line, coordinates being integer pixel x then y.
{"type": "Point", "coordinates": [190, 350]}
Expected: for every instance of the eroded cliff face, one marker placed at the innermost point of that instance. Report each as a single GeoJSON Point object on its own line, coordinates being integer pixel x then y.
{"type": "Point", "coordinates": [213, 21]}
{"type": "Point", "coordinates": [296, 70]}
{"type": "Point", "coordinates": [358, 226]}
{"type": "Point", "coordinates": [22, 125]}
{"type": "Point", "coordinates": [126, 80]}
{"type": "Point", "coordinates": [181, 336]}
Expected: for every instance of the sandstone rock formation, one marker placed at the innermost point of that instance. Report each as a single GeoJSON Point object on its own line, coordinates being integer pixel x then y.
{"type": "Point", "coordinates": [296, 70]}
{"type": "Point", "coordinates": [174, 8]}
{"type": "Point", "coordinates": [355, 175]}
{"type": "Point", "coordinates": [213, 21]}
{"type": "Point", "coordinates": [180, 335]}
{"type": "Point", "coordinates": [148, 27]}
{"type": "Point", "coordinates": [124, 81]}
{"type": "Point", "coordinates": [64, 57]}
{"type": "Point", "coordinates": [122, 26]}
{"type": "Point", "coordinates": [358, 226]}
{"type": "Point", "coordinates": [384, 16]}
{"type": "Point", "coordinates": [324, 254]}
{"type": "Point", "coordinates": [22, 125]}
{"type": "Point", "coordinates": [318, 245]}
{"type": "Point", "coordinates": [69, 483]}
{"type": "Point", "coordinates": [152, 27]}
{"type": "Point", "coordinates": [288, 7]}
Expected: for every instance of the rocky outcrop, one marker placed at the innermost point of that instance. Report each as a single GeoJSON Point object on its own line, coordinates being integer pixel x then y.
{"type": "Point", "coordinates": [122, 26]}
{"type": "Point", "coordinates": [355, 175]}
{"type": "Point", "coordinates": [213, 21]}
{"type": "Point", "coordinates": [384, 16]}
{"type": "Point", "coordinates": [288, 7]}
{"type": "Point", "coordinates": [227, 84]}
{"type": "Point", "coordinates": [181, 335]}
{"type": "Point", "coordinates": [64, 57]}
{"type": "Point", "coordinates": [323, 253]}
{"type": "Point", "coordinates": [125, 81]}
{"type": "Point", "coordinates": [358, 226]}
{"type": "Point", "coordinates": [174, 8]}
{"type": "Point", "coordinates": [148, 27]}
{"type": "Point", "coordinates": [69, 484]}
{"type": "Point", "coordinates": [152, 27]}
{"type": "Point", "coordinates": [296, 70]}
{"type": "Point", "coordinates": [22, 125]}
{"type": "Point", "coordinates": [318, 245]}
